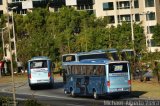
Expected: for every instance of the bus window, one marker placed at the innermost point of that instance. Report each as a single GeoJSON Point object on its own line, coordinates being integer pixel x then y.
{"type": "Point", "coordinates": [69, 71]}
{"type": "Point", "coordinates": [92, 56]}
{"type": "Point", "coordinates": [68, 58]}
{"type": "Point", "coordinates": [78, 68]}
{"type": "Point", "coordinates": [118, 67]}
{"type": "Point", "coordinates": [38, 64]}
{"type": "Point", "coordinates": [100, 70]}
{"type": "Point", "coordinates": [83, 70]}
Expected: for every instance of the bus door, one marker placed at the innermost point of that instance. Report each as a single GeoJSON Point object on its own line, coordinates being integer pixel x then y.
{"type": "Point", "coordinates": [118, 77]}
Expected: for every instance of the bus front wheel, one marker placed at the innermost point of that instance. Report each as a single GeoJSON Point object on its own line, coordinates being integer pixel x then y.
{"type": "Point", "coordinates": [95, 95]}
{"type": "Point", "coordinates": [72, 93]}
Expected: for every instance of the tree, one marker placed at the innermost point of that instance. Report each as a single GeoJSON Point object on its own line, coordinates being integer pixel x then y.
{"type": "Point", "coordinates": [156, 34]}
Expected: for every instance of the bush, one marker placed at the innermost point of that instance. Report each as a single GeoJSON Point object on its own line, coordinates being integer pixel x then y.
{"type": "Point", "coordinates": [5, 101]}
{"type": "Point", "coordinates": [32, 103]}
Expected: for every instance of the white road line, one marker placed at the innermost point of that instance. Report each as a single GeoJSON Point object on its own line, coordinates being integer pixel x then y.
{"type": "Point", "coordinates": [74, 105]}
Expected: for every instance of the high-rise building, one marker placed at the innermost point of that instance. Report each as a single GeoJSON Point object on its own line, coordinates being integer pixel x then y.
{"type": "Point", "coordinates": [145, 11]}
{"type": "Point", "coordinates": [3, 6]}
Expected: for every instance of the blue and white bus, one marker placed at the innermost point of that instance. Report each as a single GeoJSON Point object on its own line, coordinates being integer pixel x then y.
{"type": "Point", "coordinates": [97, 77]}
{"type": "Point", "coordinates": [40, 72]}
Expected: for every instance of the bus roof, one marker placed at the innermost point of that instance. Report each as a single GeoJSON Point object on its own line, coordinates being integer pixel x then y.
{"type": "Point", "coordinates": [69, 54]}
{"type": "Point", "coordinates": [39, 58]}
{"type": "Point", "coordinates": [111, 50]}
{"type": "Point", "coordinates": [95, 61]}
{"type": "Point", "coordinates": [123, 50]}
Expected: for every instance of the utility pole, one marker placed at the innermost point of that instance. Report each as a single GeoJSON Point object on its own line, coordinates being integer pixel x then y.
{"type": "Point", "coordinates": [132, 30]}
{"type": "Point", "coordinates": [14, 37]}
{"type": "Point", "coordinates": [12, 72]}
{"type": "Point", "coordinates": [132, 33]}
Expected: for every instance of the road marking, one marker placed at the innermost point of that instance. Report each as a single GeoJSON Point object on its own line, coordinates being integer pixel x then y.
{"type": "Point", "coordinates": [74, 105]}
{"type": "Point", "coordinates": [58, 97]}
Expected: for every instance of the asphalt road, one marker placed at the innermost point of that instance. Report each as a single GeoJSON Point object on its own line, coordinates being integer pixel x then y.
{"type": "Point", "coordinates": [55, 96]}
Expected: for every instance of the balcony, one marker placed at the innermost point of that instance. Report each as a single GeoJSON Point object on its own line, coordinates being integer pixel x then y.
{"type": "Point", "coordinates": [17, 1]}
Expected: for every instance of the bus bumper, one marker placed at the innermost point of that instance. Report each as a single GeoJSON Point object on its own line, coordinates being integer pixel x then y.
{"type": "Point", "coordinates": [118, 94]}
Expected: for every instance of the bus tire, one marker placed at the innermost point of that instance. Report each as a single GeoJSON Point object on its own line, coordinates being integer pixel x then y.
{"type": "Point", "coordinates": [51, 86]}
{"type": "Point", "coordinates": [72, 93]}
{"type": "Point", "coordinates": [32, 87]}
{"type": "Point", "coordinates": [65, 92]}
{"type": "Point", "coordinates": [95, 95]}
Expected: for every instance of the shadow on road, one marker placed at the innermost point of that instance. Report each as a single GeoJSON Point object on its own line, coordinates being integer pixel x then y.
{"type": "Point", "coordinates": [133, 95]}
{"type": "Point", "coordinates": [56, 85]}
{"type": "Point", "coordinates": [137, 94]}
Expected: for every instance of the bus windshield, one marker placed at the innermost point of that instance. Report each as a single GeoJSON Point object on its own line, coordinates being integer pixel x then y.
{"type": "Point", "coordinates": [118, 67]}
{"type": "Point", "coordinates": [69, 58]}
{"type": "Point", "coordinates": [38, 64]}
{"type": "Point", "coordinates": [92, 56]}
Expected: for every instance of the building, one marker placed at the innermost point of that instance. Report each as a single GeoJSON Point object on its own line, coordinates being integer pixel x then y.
{"type": "Point", "coordinates": [3, 5]}
{"type": "Point", "coordinates": [145, 11]}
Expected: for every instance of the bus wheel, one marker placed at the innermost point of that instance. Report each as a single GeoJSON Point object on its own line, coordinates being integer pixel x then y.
{"type": "Point", "coordinates": [95, 96]}
{"type": "Point", "coordinates": [32, 87]}
{"type": "Point", "coordinates": [72, 93]}
{"type": "Point", "coordinates": [65, 92]}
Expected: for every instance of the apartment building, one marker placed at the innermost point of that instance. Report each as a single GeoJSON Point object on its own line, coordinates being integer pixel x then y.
{"type": "Point", "coordinates": [3, 6]}
{"type": "Point", "coordinates": [145, 11]}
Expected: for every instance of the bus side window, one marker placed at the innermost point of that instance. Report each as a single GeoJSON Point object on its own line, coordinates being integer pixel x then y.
{"type": "Point", "coordinates": [83, 71]}
{"type": "Point", "coordinates": [78, 70]}
{"type": "Point", "coordinates": [88, 70]}
{"type": "Point", "coordinates": [95, 70]}
{"type": "Point", "coordinates": [100, 70]}
{"type": "Point", "coordinates": [69, 71]}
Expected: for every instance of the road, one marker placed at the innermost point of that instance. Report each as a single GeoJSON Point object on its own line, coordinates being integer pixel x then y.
{"type": "Point", "coordinates": [53, 97]}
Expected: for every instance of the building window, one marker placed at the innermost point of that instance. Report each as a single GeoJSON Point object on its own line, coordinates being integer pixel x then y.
{"type": "Point", "coordinates": [150, 16]}
{"type": "Point", "coordinates": [123, 5]}
{"type": "Point", "coordinates": [1, 2]}
{"type": "Point", "coordinates": [137, 17]}
{"type": "Point", "coordinates": [136, 3]}
{"type": "Point", "coordinates": [84, 7]}
{"type": "Point", "coordinates": [149, 3]}
{"type": "Point", "coordinates": [1, 11]}
{"type": "Point", "coordinates": [124, 18]}
{"type": "Point", "coordinates": [110, 19]}
{"type": "Point", "coordinates": [150, 29]}
{"type": "Point", "coordinates": [108, 6]}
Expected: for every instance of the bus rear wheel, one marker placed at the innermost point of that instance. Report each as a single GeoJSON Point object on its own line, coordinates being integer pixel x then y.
{"type": "Point", "coordinates": [32, 87]}
{"type": "Point", "coordinates": [95, 95]}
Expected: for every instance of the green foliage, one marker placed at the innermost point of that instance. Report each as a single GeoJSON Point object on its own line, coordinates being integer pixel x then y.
{"type": "Point", "coordinates": [32, 103]}
{"type": "Point", "coordinates": [67, 31]}
{"type": "Point", "coordinates": [3, 20]}
{"type": "Point", "coordinates": [5, 101]}
{"type": "Point", "coordinates": [156, 34]}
